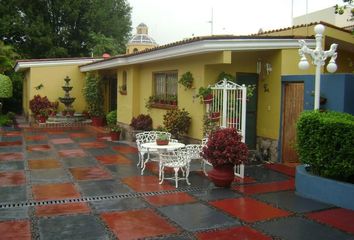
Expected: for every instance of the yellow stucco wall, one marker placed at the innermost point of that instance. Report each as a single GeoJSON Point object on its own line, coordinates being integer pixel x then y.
{"type": "Point", "coordinates": [52, 79]}
{"type": "Point", "coordinates": [205, 69]}
{"type": "Point", "coordinates": [25, 93]}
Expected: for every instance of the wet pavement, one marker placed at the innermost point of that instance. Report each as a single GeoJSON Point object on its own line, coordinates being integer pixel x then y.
{"type": "Point", "coordinates": [75, 183]}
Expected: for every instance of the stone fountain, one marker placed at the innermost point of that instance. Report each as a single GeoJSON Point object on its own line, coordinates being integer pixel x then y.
{"type": "Point", "coordinates": [67, 100]}
{"type": "Point", "coordinates": [67, 119]}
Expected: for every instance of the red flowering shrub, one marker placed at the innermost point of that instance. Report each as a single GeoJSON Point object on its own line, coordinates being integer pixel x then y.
{"type": "Point", "coordinates": [142, 122]}
{"type": "Point", "coordinates": [224, 146]}
{"type": "Point", "coordinates": [38, 104]}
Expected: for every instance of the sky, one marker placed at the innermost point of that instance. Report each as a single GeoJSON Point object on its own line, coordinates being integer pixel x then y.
{"type": "Point", "coordinates": [174, 20]}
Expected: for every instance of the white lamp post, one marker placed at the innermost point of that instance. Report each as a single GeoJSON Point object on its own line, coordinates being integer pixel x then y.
{"type": "Point", "coordinates": [319, 57]}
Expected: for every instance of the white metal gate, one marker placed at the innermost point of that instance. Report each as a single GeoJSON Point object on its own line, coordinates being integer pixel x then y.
{"type": "Point", "coordinates": [229, 101]}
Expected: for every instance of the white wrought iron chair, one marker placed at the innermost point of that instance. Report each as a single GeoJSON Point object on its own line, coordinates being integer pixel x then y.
{"type": "Point", "coordinates": [178, 160]}
{"type": "Point", "coordinates": [146, 137]}
{"type": "Point", "coordinates": [194, 151]}
{"type": "Point", "coordinates": [204, 161]}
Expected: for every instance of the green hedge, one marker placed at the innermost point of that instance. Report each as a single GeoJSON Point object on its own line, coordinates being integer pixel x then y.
{"type": "Point", "coordinates": [325, 141]}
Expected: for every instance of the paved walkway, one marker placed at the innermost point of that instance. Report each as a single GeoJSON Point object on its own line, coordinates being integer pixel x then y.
{"type": "Point", "coordinates": [76, 184]}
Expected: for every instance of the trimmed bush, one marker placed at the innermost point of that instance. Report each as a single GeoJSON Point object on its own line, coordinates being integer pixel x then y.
{"type": "Point", "coordinates": [111, 118]}
{"type": "Point", "coordinates": [325, 141]}
{"type": "Point", "coordinates": [5, 86]}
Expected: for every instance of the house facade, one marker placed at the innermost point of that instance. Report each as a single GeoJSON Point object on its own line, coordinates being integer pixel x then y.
{"type": "Point", "coordinates": [262, 59]}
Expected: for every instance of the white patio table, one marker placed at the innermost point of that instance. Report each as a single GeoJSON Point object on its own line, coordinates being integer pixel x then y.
{"type": "Point", "coordinates": [160, 148]}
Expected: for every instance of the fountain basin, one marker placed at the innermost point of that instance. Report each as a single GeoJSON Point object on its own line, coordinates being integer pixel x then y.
{"type": "Point", "coordinates": [67, 100]}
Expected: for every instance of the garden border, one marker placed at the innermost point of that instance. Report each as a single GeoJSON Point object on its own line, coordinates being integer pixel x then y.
{"type": "Point", "coordinates": [322, 189]}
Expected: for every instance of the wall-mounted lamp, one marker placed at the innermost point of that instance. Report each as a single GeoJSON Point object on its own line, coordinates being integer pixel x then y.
{"type": "Point", "coordinates": [268, 68]}
{"type": "Point", "coordinates": [259, 66]}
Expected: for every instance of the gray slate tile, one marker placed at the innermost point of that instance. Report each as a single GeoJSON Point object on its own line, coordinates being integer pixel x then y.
{"type": "Point", "coordinates": [49, 176]}
{"type": "Point", "coordinates": [295, 228]}
{"type": "Point", "coordinates": [14, 213]}
{"type": "Point", "coordinates": [197, 217]}
{"type": "Point", "coordinates": [12, 165]}
{"type": "Point", "coordinates": [118, 204]}
{"type": "Point", "coordinates": [102, 188]}
{"type": "Point", "coordinates": [72, 227]}
{"type": "Point", "coordinates": [13, 194]}
{"type": "Point", "coordinates": [290, 201]}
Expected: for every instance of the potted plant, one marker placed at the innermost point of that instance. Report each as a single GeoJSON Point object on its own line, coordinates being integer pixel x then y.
{"type": "Point", "coordinates": [206, 94]}
{"type": "Point", "coordinates": [115, 131]}
{"type": "Point", "coordinates": [71, 112]}
{"type": "Point", "coordinates": [38, 104]}
{"type": "Point", "coordinates": [186, 80]}
{"type": "Point", "coordinates": [93, 94]}
{"type": "Point", "coordinates": [143, 122]}
{"type": "Point", "coordinates": [209, 125]}
{"type": "Point", "coordinates": [224, 150]}
{"type": "Point", "coordinates": [177, 122]}
{"type": "Point", "coordinates": [214, 116]}
{"type": "Point", "coordinates": [162, 139]}
{"type": "Point", "coordinates": [43, 115]}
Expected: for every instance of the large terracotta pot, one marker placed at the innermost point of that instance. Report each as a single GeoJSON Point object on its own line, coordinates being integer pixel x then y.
{"type": "Point", "coordinates": [42, 119]}
{"type": "Point", "coordinates": [97, 121]}
{"type": "Point", "coordinates": [222, 176]}
{"type": "Point", "coordinates": [115, 136]}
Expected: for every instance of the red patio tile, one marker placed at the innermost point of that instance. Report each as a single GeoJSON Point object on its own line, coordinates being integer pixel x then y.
{"type": "Point", "coordinates": [80, 135]}
{"type": "Point", "coordinates": [244, 180]}
{"type": "Point", "coordinates": [266, 187]}
{"type": "Point", "coordinates": [72, 153]}
{"type": "Point", "coordinates": [146, 184]}
{"type": "Point", "coordinates": [36, 138]}
{"type": "Point", "coordinates": [249, 210]}
{"type": "Point", "coordinates": [338, 218]}
{"type": "Point", "coordinates": [113, 159]}
{"type": "Point", "coordinates": [62, 209]}
{"type": "Point", "coordinates": [125, 149]}
{"type": "Point", "coordinates": [137, 224]}
{"type": "Point", "coordinates": [235, 233]}
{"type": "Point", "coordinates": [12, 178]}
{"type": "Point", "coordinates": [86, 173]}
{"type": "Point", "coordinates": [42, 147]}
{"type": "Point", "coordinates": [11, 156]}
{"type": "Point", "coordinates": [154, 168]}
{"type": "Point", "coordinates": [61, 141]}
{"type": "Point", "coordinates": [287, 170]}
{"type": "Point", "coordinates": [43, 164]}
{"type": "Point", "coordinates": [170, 199]}
{"type": "Point", "coordinates": [54, 131]}
{"type": "Point", "coordinates": [104, 138]}
{"type": "Point", "coordinates": [54, 191]}
{"type": "Point", "coordinates": [7, 144]}
{"type": "Point", "coordinates": [12, 134]}
{"type": "Point", "coordinates": [93, 145]}
{"type": "Point", "coordinates": [15, 230]}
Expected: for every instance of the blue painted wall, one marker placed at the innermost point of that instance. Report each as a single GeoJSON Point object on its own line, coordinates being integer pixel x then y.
{"type": "Point", "coordinates": [337, 88]}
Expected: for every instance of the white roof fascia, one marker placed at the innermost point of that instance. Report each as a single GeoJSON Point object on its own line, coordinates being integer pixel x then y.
{"type": "Point", "coordinates": [47, 63]}
{"type": "Point", "coordinates": [198, 47]}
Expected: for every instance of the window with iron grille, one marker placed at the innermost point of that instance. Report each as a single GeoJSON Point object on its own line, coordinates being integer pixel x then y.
{"type": "Point", "coordinates": [165, 86]}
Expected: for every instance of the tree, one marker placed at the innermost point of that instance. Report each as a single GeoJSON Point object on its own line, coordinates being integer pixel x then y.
{"type": "Point", "coordinates": [64, 28]}
{"type": "Point", "coordinates": [5, 88]}
{"type": "Point", "coordinates": [347, 4]}
{"type": "Point", "coordinates": [7, 59]}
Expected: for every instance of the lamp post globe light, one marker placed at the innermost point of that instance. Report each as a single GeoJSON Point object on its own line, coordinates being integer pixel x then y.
{"type": "Point", "coordinates": [319, 57]}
